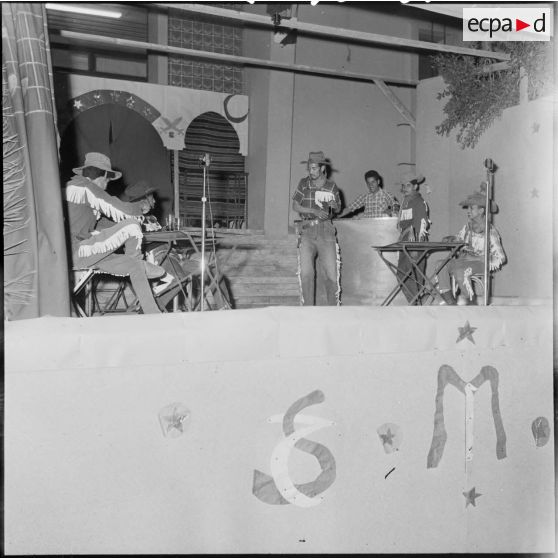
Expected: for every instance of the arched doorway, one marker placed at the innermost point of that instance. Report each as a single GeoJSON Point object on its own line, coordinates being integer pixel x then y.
{"type": "Point", "coordinates": [133, 145]}
{"type": "Point", "coordinates": [227, 179]}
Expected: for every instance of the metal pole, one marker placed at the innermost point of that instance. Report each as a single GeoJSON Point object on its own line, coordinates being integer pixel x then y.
{"type": "Point", "coordinates": [176, 203]}
{"type": "Point", "coordinates": [176, 187]}
{"type": "Point", "coordinates": [204, 199]}
{"type": "Point", "coordinates": [489, 164]}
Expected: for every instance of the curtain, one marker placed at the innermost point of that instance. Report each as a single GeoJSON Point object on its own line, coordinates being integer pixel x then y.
{"type": "Point", "coordinates": [35, 258]}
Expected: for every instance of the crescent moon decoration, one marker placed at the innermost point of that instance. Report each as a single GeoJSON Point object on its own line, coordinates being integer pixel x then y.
{"type": "Point", "coordinates": [278, 489]}
{"type": "Point", "coordinates": [230, 118]}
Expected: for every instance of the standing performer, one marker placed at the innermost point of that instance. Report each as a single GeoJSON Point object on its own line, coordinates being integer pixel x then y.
{"type": "Point", "coordinates": [377, 202]}
{"type": "Point", "coordinates": [317, 199]}
{"type": "Point", "coordinates": [413, 224]}
{"type": "Point", "coordinates": [86, 201]}
{"type": "Point", "coordinates": [470, 259]}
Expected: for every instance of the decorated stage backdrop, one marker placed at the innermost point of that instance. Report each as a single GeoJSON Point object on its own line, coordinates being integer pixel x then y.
{"type": "Point", "coordinates": [170, 110]}
{"type": "Point", "coordinates": [283, 430]}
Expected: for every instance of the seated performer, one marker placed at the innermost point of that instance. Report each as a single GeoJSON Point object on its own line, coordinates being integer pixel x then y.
{"type": "Point", "coordinates": [413, 223]}
{"type": "Point", "coordinates": [470, 259]}
{"type": "Point", "coordinates": [316, 199]}
{"type": "Point", "coordinates": [143, 190]}
{"type": "Point", "coordinates": [377, 202]}
{"type": "Point", "coordinates": [86, 202]}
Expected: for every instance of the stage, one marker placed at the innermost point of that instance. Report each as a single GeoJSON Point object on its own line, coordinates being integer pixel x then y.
{"type": "Point", "coordinates": [281, 430]}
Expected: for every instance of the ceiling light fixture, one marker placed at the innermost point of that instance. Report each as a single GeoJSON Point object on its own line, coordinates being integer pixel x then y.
{"type": "Point", "coordinates": [81, 10]}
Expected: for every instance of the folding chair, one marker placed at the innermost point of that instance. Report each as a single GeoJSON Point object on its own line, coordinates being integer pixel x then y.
{"type": "Point", "coordinates": [88, 284]}
{"type": "Point", "coordinates": [477, 282]}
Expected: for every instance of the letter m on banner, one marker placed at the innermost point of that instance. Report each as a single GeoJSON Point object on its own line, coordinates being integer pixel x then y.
{"type": "Point", "coordinates": [447, 375]}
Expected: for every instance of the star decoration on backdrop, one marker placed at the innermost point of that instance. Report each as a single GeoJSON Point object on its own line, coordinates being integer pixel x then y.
{"type": "Point", "coordinates": [387, 438]}
{"type": "Point", "coordinates": [466, 332]}
{"type": "Point", "coordinates": [535, 127]}
{"type": "Point", "coordinates": [174, 419]}
{"type": "Point", "coordinates": [390, 436]}
{"type": "Point", "coordinates": [534, 193]}
{"type": "Point", "coordinates": [471, 496]}
{"type": "Point", "coordinates": [78, 104]}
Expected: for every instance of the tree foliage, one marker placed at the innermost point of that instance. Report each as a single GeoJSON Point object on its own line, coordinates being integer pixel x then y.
{"type": "Point", "coordinates": [476, 97]}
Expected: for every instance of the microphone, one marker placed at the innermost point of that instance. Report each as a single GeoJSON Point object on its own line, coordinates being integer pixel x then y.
{"type": "Point", "coordinates": [489, 165]}
{"type": "Point", "coordinates": [205, 161]}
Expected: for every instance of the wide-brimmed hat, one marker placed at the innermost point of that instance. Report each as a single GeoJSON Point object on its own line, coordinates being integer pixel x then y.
{"type": "Point", "coordinates": [479, 199]}
{"type": "Point", "coordinates": [317, 157]}
{"type": "Point", "coordinates": [476, 198]}
{"type": "Point", "coordinates": [137, 191]}
{"type": "Point", "coordinates": [99, 161]}
{"type": "Point", "coordinates": [412, 177]}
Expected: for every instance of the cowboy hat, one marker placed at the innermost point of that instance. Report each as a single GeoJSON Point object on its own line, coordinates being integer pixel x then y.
{"type": "Point", "coordinates": [99, 161]}
{"type": "Point", "coordinates": [479, 199]}
{"type": "Point", "coordinates": [316, 157]}
{"type": "Point", "coordinates": [411, 177]}
{"type": "Point", "coordinates": [139, 190]}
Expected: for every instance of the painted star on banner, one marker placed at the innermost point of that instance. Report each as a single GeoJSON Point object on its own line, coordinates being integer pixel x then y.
{"type": "Point", "coordinates": [466, 332]}
{"type": "Point", "coordinates": [387, 438]}
{"type": "Point", "coordinates": [78, 104]}
{"type": "Point", "coordinates": [176, 421]}
{"type": "Point", "coordinates": [471, 496]}
{"type": "Point", "coordinates": [534, 193]}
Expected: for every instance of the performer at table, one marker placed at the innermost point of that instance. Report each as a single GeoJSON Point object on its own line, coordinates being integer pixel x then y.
{"type": "Point", "coordinates": [140, 191]}
{"type": "Point", "coordinates": [414, 223]}
{"type": "Point", "coordinates": [317, 199]}
{"type": "Point", "coordinates": [470, 259]}
{"type": "Point", "coordinates": [87, 201]}
{"type": "Point", "coordinates": [377, 202]}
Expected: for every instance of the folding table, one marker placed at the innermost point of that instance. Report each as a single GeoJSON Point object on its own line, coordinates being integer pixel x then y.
{"type": "Point", "coordinates": [426, 282]}
{"type": "Point", "coordinates": [192, 237]}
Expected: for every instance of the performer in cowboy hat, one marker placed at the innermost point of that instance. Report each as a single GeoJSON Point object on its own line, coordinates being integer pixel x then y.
{"type": "Point", "coordinates": [470, 259]}
{"type": "Point", "coordinates": [87, 201]}
{"type": "Point", "coordinates": [413, 223]}
{"type": "Point", "coordinates": [316, 199]}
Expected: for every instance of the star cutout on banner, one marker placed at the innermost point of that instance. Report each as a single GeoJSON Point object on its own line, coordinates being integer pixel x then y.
{"type": "Point", "coordinates": [471, 496]}
{"type": "Point", "coordinates": [466, 332]}
{"type": "Point", "coordinates": [535, 127]}
{"type": "Point", "coordinates": [176, 421]}
{"type": "Point", "coordinates": [387, 438]}
{"type": "Point", "coordinates": [534, 193]}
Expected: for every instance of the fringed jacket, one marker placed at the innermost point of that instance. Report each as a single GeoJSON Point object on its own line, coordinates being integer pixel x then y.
{"type": "Point", "coordinates": [86, 203]}
{"type": "Point", "coordinates": [474, 237]}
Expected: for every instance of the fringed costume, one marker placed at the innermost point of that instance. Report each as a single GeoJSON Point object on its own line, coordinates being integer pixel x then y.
{"type": "Point", "coordinates": [86, 203]}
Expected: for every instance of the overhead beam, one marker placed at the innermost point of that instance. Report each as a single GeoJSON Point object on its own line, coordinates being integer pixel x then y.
{"type": "Point", "coordinates": [229, 58]}
{"type": "Point", "coordinates": [350, 34]}
{"type": "Point", "coordinates": [396, 102]}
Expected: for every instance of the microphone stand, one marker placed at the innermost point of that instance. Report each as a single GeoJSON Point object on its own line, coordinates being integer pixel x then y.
{"type": "Point", "coordinates": [205, 161]}
{"type": "Point", "coordinates": [489, 164]}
